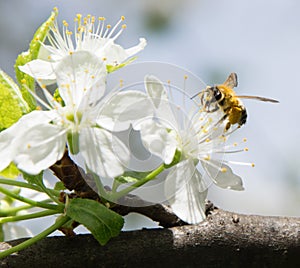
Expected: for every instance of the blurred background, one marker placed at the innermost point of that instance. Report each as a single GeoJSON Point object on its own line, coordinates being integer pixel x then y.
{"type": "Point", "coordinates": [259, 40]}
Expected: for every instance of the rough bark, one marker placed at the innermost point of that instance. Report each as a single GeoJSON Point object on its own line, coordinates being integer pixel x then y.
{"type": "Point", "coordinates": [224, 240]}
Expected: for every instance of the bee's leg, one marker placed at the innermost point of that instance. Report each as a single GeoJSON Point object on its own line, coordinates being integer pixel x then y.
{"type": "Point", "coordinates": [222, 120]}
{"type": "Point", "coordinates": [228, 125]}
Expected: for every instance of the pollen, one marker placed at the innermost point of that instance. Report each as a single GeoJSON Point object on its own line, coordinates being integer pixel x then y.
{"type": "Point", "coordinates": [65, 23]}
{"type": "Point", "coordinates": [207, 140]}
{"type": "Point", "coordinates": [108, 26]}
{"type": "Point", "coordinates": [122, 18]}
{"type": "Point", "coordinates": [223, 169]}
{"type": "Point", "coordinates": [124, 26]}
{"type": "Point", "coordinates": [252, 165]}
{"type": "Point", "coordinates": [246, 149]}
{"type": "Point", "coordinates": [207, 158]}
{"type": "Point", "coordinates": [101, 18]}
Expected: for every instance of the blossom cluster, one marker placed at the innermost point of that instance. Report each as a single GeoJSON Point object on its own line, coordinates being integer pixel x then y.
{"type": "Point", "coordinates": [84, 116]}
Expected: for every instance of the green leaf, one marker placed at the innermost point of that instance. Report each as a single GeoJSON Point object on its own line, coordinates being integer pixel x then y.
{"type": "Point", "coordinates": [59, 186]}
{"type": "Point", "coordinates": [12, 104]}
{"type": "Point", "coordinates": [102, 222]}
{"type": "Point", "coordinates": [11, 172]}
{"type": "Point", "coordinates": [112, 68]}
{"type": "Point", "coordinates": [32, 54]}
{"type": "Point", "coordinates": [33, 179]}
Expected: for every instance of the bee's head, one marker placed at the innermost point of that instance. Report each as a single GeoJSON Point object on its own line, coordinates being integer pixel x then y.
{"type": "Point", "coordinates": [216, 93]}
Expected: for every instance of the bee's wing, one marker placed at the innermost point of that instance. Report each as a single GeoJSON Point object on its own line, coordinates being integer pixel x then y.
{"type": "Point", "coordinates": [231, 81]}
{"type": "Point", "coordinates": [257, 98]}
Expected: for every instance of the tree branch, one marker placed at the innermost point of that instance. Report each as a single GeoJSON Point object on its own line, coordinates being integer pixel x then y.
{"type": "Point", "coordinates": [225, 239]}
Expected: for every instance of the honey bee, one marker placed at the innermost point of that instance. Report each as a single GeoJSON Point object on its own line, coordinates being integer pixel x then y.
{"type": "Point", "coordinates": [223, 97]}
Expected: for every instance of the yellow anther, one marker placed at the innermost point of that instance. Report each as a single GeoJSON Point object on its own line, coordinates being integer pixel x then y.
{"type": "Point", "coordinates": [252, 165]}
{"type": "Point", "coordinates": [70, 52]}
{"type": "Point", "coordinates": [79, 16]}
{"type": "Point", "coordinates": [55, 9]}
{"type": "Point", "coordinates": [169, 81]}
{"type": "Point", "coordinates": [49, 57]}
{"type": "Point", "coordinates": [244, 139]}
{"type": "Point", "coordinates": [101, 18]}
{"type": "Point", "coordinates": [104, 59]}
{"type": "Point", "coordinates": [108, 26]}
{"type": "Point", "coordinates": [235, 144]}
{"type": "Point", "coordinates": [207, 158]}
{"type": "Point", "coordinates": [38, 108]}
{"type": "Point", "coordinates": [92, 76]}
{"type": "Point", "coordinates": [223, 169]}
{"type": "Point", "coordinates": [124, 26]}
{"type": "Point", "coordinates": [185, 77]}
{"type": "Point", "coordinates": [246, 149]}
{"type": "Point", "coordinates": [207, 140]}
{"type": "Point", "coordinates": [65, 23]}
{"type": "Point", "coordinates": [23, 81]}
{"type": "Point", "coordinates": [28, 146]}
{"type": "Point", "coordinates": [43, 86]}
{"type": "Point", "coordinates": [122, 18]}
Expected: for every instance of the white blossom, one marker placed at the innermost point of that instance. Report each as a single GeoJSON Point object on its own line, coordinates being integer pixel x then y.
{"type": "Point", "coordinates": [97, 38]}
{"type": "Point", "coordinates": [199, 139]}
{"type": "Point", "coordinates": [85, 119]}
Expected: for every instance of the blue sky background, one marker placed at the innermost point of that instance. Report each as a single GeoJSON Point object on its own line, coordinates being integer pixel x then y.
{"type": "Point", "coordinates": [259, 40]}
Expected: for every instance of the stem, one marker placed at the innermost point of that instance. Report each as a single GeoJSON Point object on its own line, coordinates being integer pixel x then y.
{"type": "Point", "coordinates": [58, 208]}
{"type": "Point", "coordinates": [28, 216]}
{"type": "Point", "coordinates": [59, 222]}
{"type": "Point", "coordinates": [101, 191]}
{"type": "Point", "coordinates": [27, 185]}
{"type": "Point", "coordinates": [13, 210]}
{"type": "Point", "coordinates": [20, 184]}
{"type": "Point", "coordinates": [49, 192]}
{"type": "Point", "coordinates": [141, 182]}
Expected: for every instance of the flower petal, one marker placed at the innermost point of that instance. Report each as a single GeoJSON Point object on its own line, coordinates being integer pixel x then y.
{"type": "Point", "coordinates": [13, 136]}
{"type": "Point", "coordinates": [103, 153]}
{"type": "Point", "coordinates": [158, 140]}
{"type": "Point", "coordinates": [123, 109]}
{"type": "Point", "coordinates": [40, 70]}
{"type": "Point", "coordinates": [77, 74]}
{"type": "Point", "coordinates": [159, 98]}
{"type": "Point", "coordinates": [14, 231]}
{"type": "Point", "coordinates": [186, 192]}
{"type": "Point", "coordinates": [222, 175]}
{"type": "Point", "coordinates": [114, 54]}
{"type": "Point", "coordinates": [134, 50]}
{"type": "Point", "coordinates": [40, 147]}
